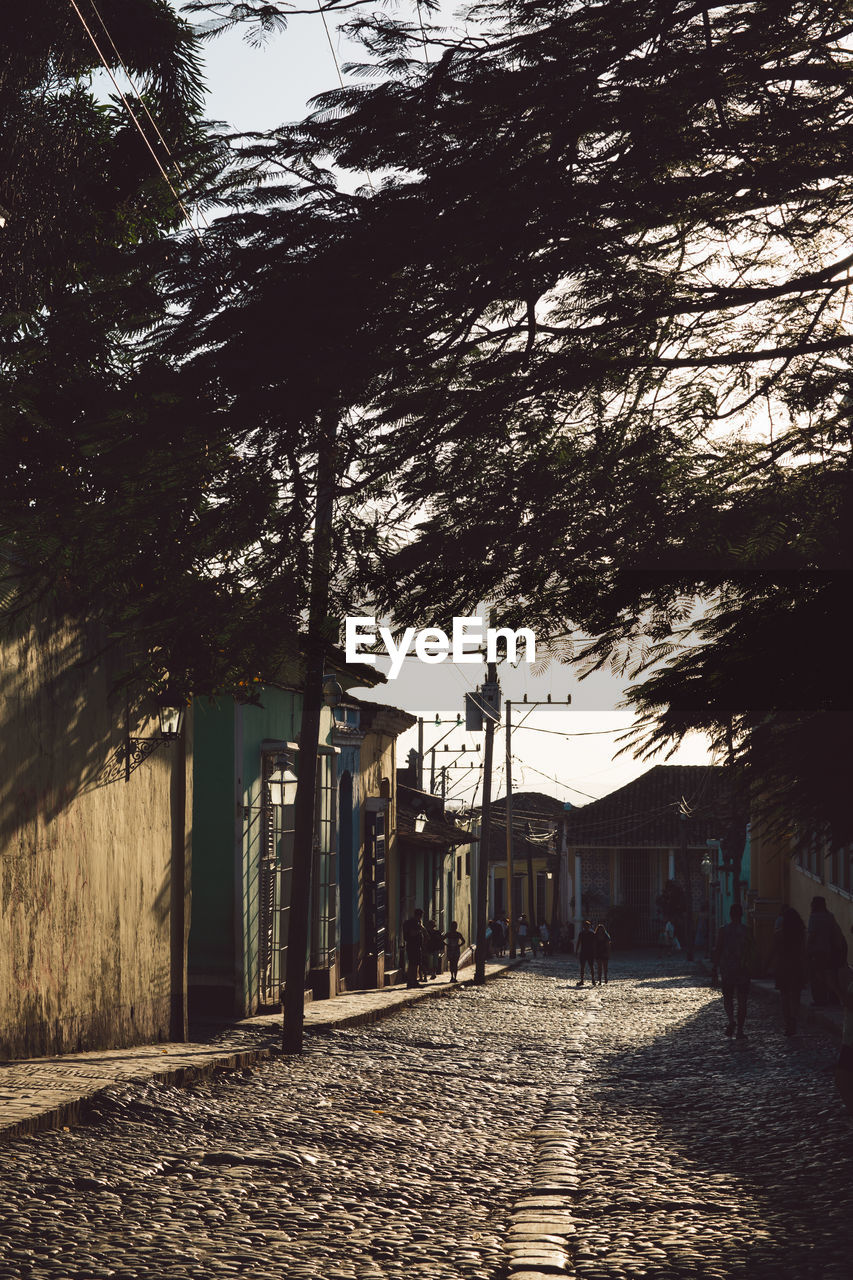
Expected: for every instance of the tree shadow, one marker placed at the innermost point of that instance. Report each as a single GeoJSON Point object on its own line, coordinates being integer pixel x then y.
{"type": "Point", "coordinates": [728, 1155]}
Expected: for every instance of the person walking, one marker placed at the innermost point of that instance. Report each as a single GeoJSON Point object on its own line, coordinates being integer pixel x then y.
{"type": "Point", "coordinates": [826, 951]}
{"type": "Point", "coordinates": [454, 942]}
{"type": "Point", "coordinates": [522, 932]}
{"type": "Point", "coordinates": [732, 960]}
{"type": "Point", "coordinates": [545, 938]}
{"type": "Point", "coordinates": [498, 936]}
{"type": "Point", "coordinates": [434, 948]}
{"type": "Point", "coordinates": [601, 952]}
{"type": "Point", "coordinates": [789, 965]}
{"type": "Point", "coordinates": [414, 937]}
{"type": "Point", "coordinates": [586, 951]}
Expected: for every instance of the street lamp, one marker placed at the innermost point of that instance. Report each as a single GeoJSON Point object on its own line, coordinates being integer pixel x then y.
{"type": "Point", "coordinates": [137, 748]}
{"type": "Point", "coordinates": [282, 781]}
{"type": "Point", "coordinates": [332, 692]}
{"type": "Point", "coordinates": [420, 822]}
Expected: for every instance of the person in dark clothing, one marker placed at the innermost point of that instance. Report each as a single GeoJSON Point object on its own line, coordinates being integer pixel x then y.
{"type": "Point", "coordinates": [826, 951]}
{"type": "Point", "coordinates": [586, 951]}
{"type": "Point", "coordinates": [433, 949]}
{"type": "Point", "coordinates": [602, 952]}
{"type": "Point", "coordinates": [454, 942]}
{"type": "Point", "coordinates": [733, 962]}
{"type": "Point", "coordinates": [414, 936]}
{"type": "Point", "coordinates": [789, 965]}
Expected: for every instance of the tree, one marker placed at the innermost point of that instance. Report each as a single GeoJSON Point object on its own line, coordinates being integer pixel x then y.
{"type": "Point", "coordinates": [623, 235]}
{"type": "Point", "coordinates": [118, 503]}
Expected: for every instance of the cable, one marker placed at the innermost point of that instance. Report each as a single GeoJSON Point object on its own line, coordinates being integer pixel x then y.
{"type": "Point", "coordinates": [144, 106]}
{"type": "Point", "coordinates": [322, 14]}
{"type": "Point", "coordinates": [133, 117]}
{"type": "Point", "coordinates": [588, 733]}
{"type": "Point", "coordinates": [559, 781]}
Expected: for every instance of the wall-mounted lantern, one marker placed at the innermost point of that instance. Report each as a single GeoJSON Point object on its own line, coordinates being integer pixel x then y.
{"type": "Point", "coordinates": [282, 781]}
{"type": "Point", "coordinates": [170, 718]}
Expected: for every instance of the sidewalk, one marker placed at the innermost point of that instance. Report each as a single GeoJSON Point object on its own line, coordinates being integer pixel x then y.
{"type": "Point", "coordinates": [47, 1093]}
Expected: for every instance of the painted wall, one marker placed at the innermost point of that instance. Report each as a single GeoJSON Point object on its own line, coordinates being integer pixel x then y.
{"type": "Point", "coordinates": [224, 950]}
{"type": "Point", "coordinates": [224, 938]}
{"type": "Point", "coordinates": [94, 869]}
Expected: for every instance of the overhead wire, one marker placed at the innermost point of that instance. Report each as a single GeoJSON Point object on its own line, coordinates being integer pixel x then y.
{"type": "Point", "coordinates": [144, 105]}
{"type": "Point", "coordinates": [322, 14]}
{"type": "Point", "coordinates": [135, 120]}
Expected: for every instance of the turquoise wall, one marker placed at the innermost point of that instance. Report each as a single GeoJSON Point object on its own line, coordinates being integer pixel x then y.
{"type": "Point", "coordinates": [212, 924]}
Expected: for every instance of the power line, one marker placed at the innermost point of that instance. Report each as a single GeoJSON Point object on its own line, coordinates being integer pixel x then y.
{"type": "Point", "coordinates": [135, 120]}
{"type": "Point", "coordinates": [144, 106]}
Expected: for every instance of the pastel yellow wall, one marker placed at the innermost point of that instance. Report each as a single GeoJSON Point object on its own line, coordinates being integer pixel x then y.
{"type": "Point", "coordinates": [94, 933]}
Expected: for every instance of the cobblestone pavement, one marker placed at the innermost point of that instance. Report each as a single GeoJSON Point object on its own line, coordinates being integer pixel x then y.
{"type": "Point", "coordinates": [523, 1129]}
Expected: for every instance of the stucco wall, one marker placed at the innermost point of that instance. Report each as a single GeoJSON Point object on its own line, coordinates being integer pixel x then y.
{"type": "Point", "coordinates": [94, 869]}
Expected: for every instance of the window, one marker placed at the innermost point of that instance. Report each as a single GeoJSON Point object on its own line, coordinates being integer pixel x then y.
{"type": "Point", "coordinates": [459, 867]}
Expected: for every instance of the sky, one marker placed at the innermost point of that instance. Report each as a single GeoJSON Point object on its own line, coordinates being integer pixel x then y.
{"type": "Point", "coordinates": [566, 752]}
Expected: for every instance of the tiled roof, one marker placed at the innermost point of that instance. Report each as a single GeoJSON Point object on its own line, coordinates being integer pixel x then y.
{"type": "Point", "coordinates": [533, 812]}
{"type": "Point", "coordinates": [645, 813]}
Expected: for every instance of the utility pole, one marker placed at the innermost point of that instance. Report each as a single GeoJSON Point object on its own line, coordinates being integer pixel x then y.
{"type": "Point", "coordinates": [688, 887]}
{"type": "Point", "coordinates": [510, 915]}
{"type": "Point", "coordinates": [485, 831]}
{"type": "Point", "coordinates": [309, 735]}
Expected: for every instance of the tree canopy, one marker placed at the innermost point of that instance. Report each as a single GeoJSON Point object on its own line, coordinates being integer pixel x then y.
{"type": "Point", "coordinates": [623, 380]}
{"type": "Point", "coordinates": [570, 279]}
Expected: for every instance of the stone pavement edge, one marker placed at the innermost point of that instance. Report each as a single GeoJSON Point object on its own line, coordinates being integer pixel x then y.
{"type": "Point", "coordinates": [49, 1093]}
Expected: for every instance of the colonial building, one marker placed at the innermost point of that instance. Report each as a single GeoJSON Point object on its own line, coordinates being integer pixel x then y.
{"type": "Point", "coordinates": [663, 826]}
{"type": "Point", "coordinates": [435, 864]}
{"type": "Point", "coordinates": [540, 889]}
{"type": "Point", "coordinates": [365, 734]}
{"type": "Point", "coordinates": [247, 763]}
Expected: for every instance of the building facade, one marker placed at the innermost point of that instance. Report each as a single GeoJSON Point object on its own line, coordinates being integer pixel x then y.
{"type": "Point", "coordinates": [94, 850]}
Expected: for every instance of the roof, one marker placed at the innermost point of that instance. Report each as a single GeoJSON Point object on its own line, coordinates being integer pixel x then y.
{"type": "Point", "coordinates": [380, 717]}
{"type": "Point", "coordinates": [439, 829]}
{"type": "Point", "coordinates": [644, 814]}
{"type": "Point", "coordinates": [534, 815]}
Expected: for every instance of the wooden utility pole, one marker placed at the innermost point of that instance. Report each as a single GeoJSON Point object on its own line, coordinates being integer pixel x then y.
{"type": "Point", "coordinates": [485, 834]}
{"type": "Point", "coordinates": [688, 884]}
{"type": "Point", "coordinates": [510, 914]}
{"type": "Point", "coordinates": [309, 735]}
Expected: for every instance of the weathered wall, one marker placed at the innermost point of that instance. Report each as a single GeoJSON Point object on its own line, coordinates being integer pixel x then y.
{"type": "Point", "coordinates": [94, 869]}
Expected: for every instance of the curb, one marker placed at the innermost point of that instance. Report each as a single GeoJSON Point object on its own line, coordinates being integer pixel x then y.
{"type": "Point", "coordinates": [73, 1110]}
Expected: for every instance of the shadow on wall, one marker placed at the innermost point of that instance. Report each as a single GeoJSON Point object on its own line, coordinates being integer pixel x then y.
{"type": "Point", "coordinates": [62, 724]}
{"type": "Point", "coordinates": [86, 885]}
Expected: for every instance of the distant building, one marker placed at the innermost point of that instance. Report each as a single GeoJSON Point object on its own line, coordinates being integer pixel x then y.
{"type": "Point", "coordinates": [624, 848]}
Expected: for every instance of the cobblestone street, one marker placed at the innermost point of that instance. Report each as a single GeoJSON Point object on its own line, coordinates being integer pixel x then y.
{"type": "Point", "coordinates": [526, 1128]}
